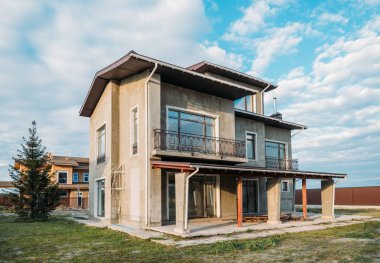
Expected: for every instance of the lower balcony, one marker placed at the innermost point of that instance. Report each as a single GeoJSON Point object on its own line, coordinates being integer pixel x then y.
{"type": "Point", "coordinates": [192, 146]}
{"type": "Point", "coordinates": [281, 164]}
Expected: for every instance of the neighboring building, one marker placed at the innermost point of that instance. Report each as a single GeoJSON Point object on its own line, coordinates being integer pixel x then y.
{"type": "Point", "coordinates": [169, 143]}
{"type": "Point", "coordinates": [72, 175]}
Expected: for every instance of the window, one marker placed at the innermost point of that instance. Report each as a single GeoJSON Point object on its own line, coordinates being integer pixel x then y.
{"type": "Point", "coordinates": [63, 193]}
{"type": "Point", "coordinates": [275, 150]}
{"type": "Point", "coordinates": [247, 103]}
{"type": "Point", "coordinates": [135, 122]}
{"type": "Point", "coordinates": [62, 177]}
{"type": "Point", "coordinates": [250, 139]}
{"type": "Point", "coordinates": [189, 132]}
{"type": "Point", "coordinates": [85, 177]}
{"type": "Point", "coordinates": [100, 190]}
{"type": "Point", "coordinates": [183, 122]}
{"type": "Point", "coordinates": [75, 177]}
{"type": "Point", "coordinates": [285, 186]}
{"type": "Point", "coordinates": [101, 133]}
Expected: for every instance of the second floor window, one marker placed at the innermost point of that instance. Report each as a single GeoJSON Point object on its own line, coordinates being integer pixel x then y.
{"type": "Point", "coordinates": [247, 103]}
{"type": "Point", "coordinates": [85, 177]}
{"type": "Point", "coordinates": [135, 131]}
{"type": "Point", "coordinates": [75, 177]}
{"type": "Point", "coordinates": [251, 146]}
{"type": "Point", "coordinates": [275, 150]}
{"type": "Point", "coordinates": [183, 122]}
{"type": "Point", "coordinates": [62, 177]}
{"type": "Point", "coordinates": [101, 133]}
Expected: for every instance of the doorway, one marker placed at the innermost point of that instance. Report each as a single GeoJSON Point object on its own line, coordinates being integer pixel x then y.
{"type": "Point", "coordinates": [250, 196]}
{"type": "Point", "coordinates": [203, 196]}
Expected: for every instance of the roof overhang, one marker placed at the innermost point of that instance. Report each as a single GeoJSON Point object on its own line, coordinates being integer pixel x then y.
{"type": "Point", "coordinates": [271, 121]}
{"type": "Point", "coordinates": [205, 66]}
{"type": "Point", "coordinates": [244, 170]}
{"type": "Point", "coordinates": [134, 63]}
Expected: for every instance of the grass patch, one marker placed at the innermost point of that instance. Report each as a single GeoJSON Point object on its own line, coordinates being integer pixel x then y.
{"type": "Point", "coordinates": [62, 240]}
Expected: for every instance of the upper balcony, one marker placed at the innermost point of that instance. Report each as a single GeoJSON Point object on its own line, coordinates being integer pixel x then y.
{"type": "Point", "coordinates": [186, 145]}
{"type": "Point", "coordinates": [281, 164]}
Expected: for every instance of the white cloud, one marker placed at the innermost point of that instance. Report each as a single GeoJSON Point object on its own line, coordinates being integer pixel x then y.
{"type": "Point", "coordinates": [279, 41]}
{"type": "Point", "coordinates": [339, 101]}
{"type": "Point", "coordinates": [253, 18]}
{"type": "Point", "coordinates": [327, 18]}
{"type": "Point", "coordinates": [214, 53]}
{"type": "Point", "coordinates": [50, 52]}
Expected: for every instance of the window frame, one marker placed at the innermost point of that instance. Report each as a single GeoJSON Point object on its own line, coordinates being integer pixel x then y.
{"type": "Point", "coordinates": [282, 186]}
{"type": "Point", "coordinates": [97, 198]}
{"type": "Point", "coordinates": [101, 158]}
{"type": "Point", "coordinates": [65, 191]}
{"type": "Point", "coordinates": [77, 175]}
{"type": "Point", "coordinates": [88, 177]}
{"type": "Point", "coordinates": [255, 146]}
{"type": "Point", "coordinates": [67, 175]}
{"type": "Point", "coordinates": [132, 130]}
{"type": "Point", "coordinates": [193, 112]}
{"type": "Point", "coordinates": [278, 142]}
{"type": "Point", "coordinates": [249, 99]}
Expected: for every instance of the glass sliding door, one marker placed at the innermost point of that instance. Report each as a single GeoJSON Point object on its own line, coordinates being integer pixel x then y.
{"type": "Point", "coordinates": [250, 196]}
{"type": "Point", "coordinates": [202, 197]}
{"type": "Point", "coordinates": [100, 187]}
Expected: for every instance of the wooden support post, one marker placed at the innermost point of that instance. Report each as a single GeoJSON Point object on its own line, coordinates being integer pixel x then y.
{"type": "Point", "coordinates": [304, 199]}
{"type": "Point", "coordinates": [240, 201]}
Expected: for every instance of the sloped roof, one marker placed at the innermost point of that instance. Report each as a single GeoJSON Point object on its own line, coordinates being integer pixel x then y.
{"type": "Point", "coordinates": [68, 161]}
{"type": "Point", "coordinates": [134, 63]}
{"type": "Point", "coordinates": [205, 66]}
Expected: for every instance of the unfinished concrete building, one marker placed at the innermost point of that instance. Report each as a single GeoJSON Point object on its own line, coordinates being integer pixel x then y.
{"type": "Point", "coordinates": [170, 144]}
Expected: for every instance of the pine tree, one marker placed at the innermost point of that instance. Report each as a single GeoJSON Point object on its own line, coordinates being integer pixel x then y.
{"type": "Point", "coordinates": [38, 194]}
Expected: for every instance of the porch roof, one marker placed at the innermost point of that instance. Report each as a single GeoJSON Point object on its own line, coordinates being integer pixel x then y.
{"type": "Point", "coordinates": [243, 170]}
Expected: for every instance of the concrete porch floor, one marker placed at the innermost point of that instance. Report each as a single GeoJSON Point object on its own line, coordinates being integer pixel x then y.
{"type": "Point", "coordinates": [226, 227]}
{"type": "Point", "coordinates": [208, 232]}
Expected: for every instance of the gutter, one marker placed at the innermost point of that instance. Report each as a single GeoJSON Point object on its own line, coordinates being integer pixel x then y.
{"type": "Point", "coordinates": [147, 173]}
{"type": "Point", "coordinates": [187, 198]}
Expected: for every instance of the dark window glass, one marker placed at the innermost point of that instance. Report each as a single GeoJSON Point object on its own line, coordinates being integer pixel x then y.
{"type": "Point", "coordinates": [62, 177]}
{"type": "Point", "coordinates": [250, 144]}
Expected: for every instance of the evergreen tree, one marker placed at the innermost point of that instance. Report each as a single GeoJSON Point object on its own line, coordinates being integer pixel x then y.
{"type": "Point", "coordinates": [38, 194]}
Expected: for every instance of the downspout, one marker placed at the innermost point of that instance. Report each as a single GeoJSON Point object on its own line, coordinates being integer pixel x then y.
{"type": "Point", "coordinates": [147, 188]}
{"type": "Point", "coordinates": [303, 128]}
{"type": "Point", "coordinates": [187, 197]}
{"type": "Point", "coordinates": [262, 97]}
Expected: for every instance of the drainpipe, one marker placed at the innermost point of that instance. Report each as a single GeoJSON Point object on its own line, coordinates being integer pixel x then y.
{"type": "Point", "coordinates": [187, 197]}
{"type": "Point", "coordinates": [147, 188]}
{"type": "Point", "coordinates": [262, 97]}
{"type": "Point", "coordinates": [303, 128]}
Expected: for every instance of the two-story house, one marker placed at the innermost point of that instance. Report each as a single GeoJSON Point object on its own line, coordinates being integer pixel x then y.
{"type": "Point", "coordinates": [72, 175]}
{"type": "Point", "coordinates": [169, 144]}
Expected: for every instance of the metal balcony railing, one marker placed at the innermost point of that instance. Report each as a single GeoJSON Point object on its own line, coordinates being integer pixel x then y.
{"type": "Point", "coordinates": [281, 164]}
{"type": "Point", "coordinates": [191, 143]}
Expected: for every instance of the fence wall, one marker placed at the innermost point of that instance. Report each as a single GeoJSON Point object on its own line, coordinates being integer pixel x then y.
{"type": "Point", "coordinates": [67, 202]}
{"type": "Point", "coordinates": [368, 195]}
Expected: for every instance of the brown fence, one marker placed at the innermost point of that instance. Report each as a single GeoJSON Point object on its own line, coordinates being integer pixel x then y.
{"type": "Point", "coordinates": [81, 203]}
{"type": "Point", "coordinates": [5, 200]}
{"type": "Point", "coordinates": [369, 195]}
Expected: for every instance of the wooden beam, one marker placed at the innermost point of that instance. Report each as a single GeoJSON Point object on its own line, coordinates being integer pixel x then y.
{"type": "Point", "coordinates": [240, 201]}
{"type": "Point", "coordinates": [304, 199]}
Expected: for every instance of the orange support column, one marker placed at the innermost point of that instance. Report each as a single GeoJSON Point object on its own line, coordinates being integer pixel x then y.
{"type": "Point", "coordinates": [304, 199]}
{"type": "Point", "coordinates": [240, 201]}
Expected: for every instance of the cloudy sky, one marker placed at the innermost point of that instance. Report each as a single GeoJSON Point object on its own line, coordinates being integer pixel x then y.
{"type": "Point", "coordinates": [325, 57]}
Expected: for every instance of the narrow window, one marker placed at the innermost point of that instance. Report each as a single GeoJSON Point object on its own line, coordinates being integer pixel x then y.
{"type": "Point", "coordinates": [135, 122]}
{"type": "Point", "coordinates": [62, 177]}
{"type": "Point", "coordinates": [63, 193]}
{"type": "Point", "coordinates": [285, 186]}
{"type": "Point", "coordinates": [251, 146]}
{"type": "Point", "coordinates": [85, 177]}
{"type": "Point", "coordinates": [101, 144]}
{"type": "Point", "coordinates": [100, 197]}
{"type": "Point", "coordinates": [75, 177]}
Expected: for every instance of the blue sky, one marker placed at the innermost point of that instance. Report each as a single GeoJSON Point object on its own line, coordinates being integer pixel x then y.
{"type": "Point", "coordinates": [324, 55]}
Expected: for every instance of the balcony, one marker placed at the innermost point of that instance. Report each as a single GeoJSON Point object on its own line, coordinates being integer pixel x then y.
{"type": "Point", "coordinates": [281, 164]}
{"type": "Point", "coordinates": [186, 145]}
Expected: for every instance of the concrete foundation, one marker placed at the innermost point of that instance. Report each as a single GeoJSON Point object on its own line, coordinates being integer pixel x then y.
{"type": "Point", "coordinates": [180, 198]}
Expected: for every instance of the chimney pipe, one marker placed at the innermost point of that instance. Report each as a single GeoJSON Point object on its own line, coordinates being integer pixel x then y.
{"type": "Point", "coordinates": [275, 105]}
